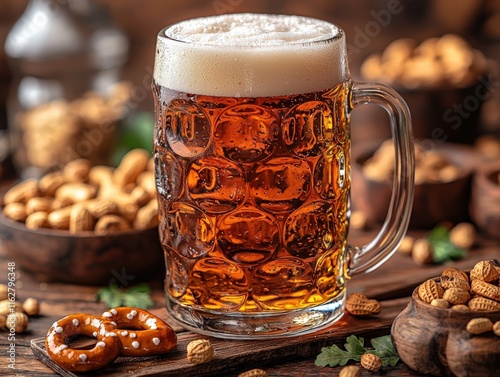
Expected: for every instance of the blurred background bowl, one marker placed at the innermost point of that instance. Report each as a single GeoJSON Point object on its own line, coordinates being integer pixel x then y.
{"type": "Point", "coordinates": [446, 114]}
{"type": "Point", "coordinates": [485, 201]}
{"type": "Point", "coordinates": [55, 255]}
{"type": "Point", "coordinates": [433, 203]}
{"type": "Point", "coordinates": [442, 114]}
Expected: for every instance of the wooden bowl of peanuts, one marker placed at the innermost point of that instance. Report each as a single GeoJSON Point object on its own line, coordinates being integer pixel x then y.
{"type": "Point", "coordinates": [443, 175]}
{"type": "Point", "coordinates": [444, 81]}
{"type": "Point", "coordinates": [86, 224]}
{"type": "Point", "coordinates": [452, 325]}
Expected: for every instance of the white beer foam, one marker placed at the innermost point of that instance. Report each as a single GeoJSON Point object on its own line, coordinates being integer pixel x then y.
{"type": "Point", "coordinates": [250, 55]}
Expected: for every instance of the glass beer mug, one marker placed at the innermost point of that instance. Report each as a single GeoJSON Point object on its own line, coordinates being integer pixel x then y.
{"type": "Point", "coordinates": [252, 158]}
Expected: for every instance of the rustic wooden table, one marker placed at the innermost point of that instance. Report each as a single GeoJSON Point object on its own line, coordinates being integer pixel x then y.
{"type": "Point", "coordinates": [392, 283]}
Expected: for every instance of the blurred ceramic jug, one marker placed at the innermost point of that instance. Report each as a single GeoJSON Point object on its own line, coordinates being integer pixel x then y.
{"type": "Point", "coordinates": [66, 58]}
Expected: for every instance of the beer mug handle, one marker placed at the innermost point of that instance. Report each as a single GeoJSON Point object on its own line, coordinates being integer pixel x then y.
{"type": "Point", "coordinates": [370, 256]}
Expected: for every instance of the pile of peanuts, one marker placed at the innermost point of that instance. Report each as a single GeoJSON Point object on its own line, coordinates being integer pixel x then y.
{"type": "Point", "coordinates": [457, 290]}
{"type": "Point", "coordinates": [477, 291]}
{"type": "Point", "coordinates": [51, 129]}
{"type": "Point", "coordinates": [14, 314]}
{"type": "Point", "coordinates": [83, 198]}
{"type": "Point", "coordinates": [430, 165]}
{"type": "Point", "coordinates": [447, 61]}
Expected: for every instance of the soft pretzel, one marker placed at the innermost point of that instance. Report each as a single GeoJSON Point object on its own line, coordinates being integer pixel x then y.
{"type": "Point", "coordinates": [140, 332]}
{"type": "Point", "coordinates": [104, 352]}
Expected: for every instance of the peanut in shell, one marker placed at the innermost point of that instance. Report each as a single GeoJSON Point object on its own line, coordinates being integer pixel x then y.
{"type": "Point", "coordinates": [21, 192]}
{"type": "Point", "coordinates": [454, 282]}
{"type": "Point", "coordinates": [147, 217]}
{"type": "Point", "coordinates": [460, 307]}
{"type": "Point", "coordinates": [371, 362]}
{"type": "Point", "coordinates": [38, 204]}
{"type": "Point", "coordinates": [200, 351]}
{"type": "Point", "coordinates": [76, 192]}
{"type": "Point", "coordinates": [59, 219]}
{"type": "Point", "coordinates": [463, 235]}
{"type": "Point", "coordinates": [111, 224]}
{"type": "Point", "coordinates": [100, 207]}
{"type": "Point", "coordinates": [15, 211]}
{"type": "Point", "coordinates": [496, 328]}
{"type": "Point", "coordinates": [100, 175]}
{"type": "Point", "coordinates": [456, 296]}
{"type": "Point", "coordinates": [478, 326]}
{"type": "Point", "coordinates": [440, 303]}
{"type": "Point", "coordinates": [37, 220]}
{"type": "Point", "coordinates": [350, 371]}
{"type": "Point", "coordinates": [50, 182]}
{"type": "Point", "coordinates": [484, 271]}
{"type": "Point", "coordinates": [17, 321]}
{"type": "Point", "coordinates": [140, 196]}
{"type": "Point", "coordinates": [481, 304]}
{"type": "Point", "coordinates": [430, 290]}
{"type": "Point", "coordinates": [80, 219]}
{"type": "Point", "coordinates": [422, 252]}
{"type": "Point", "coordinates": [457, 274]}
{"type": "Point", "coordinates": [254, 373]}
{"type": "Point", "coordinates": [486, 289]}
{"type": "Point", "coordinates": [77, 170]}
{"type": "Point", "coordinates": [131, 165]}
{"type": "Point", "coordinates": [359, 305]}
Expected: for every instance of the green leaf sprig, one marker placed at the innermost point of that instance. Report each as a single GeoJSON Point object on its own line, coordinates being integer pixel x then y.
{"type": "Point", "coordinates": [137, 296]}
{"type": "Point", "coordinates": [384, 348]}
{"type": "Point", "coordinates": [444, 249]}
{"type": "Point", "coordinates": [355, 348]}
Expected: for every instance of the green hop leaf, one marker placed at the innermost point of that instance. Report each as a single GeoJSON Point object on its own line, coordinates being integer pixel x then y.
{"type": "Point", "coordinates": [137, 296]}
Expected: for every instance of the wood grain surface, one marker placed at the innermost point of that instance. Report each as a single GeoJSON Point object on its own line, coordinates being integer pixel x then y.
{"type": "Point", "coordinates": [229, 354]}
{"type": "Point", "coordinates": [392, 284]}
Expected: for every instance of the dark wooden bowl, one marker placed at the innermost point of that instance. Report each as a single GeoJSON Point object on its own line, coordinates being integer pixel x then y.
{"type": "Point", "coordinates": [434, 112]}
{"type": "Point", "coordinates": [124, 258]}
{"type": "Point", "coordinates": [433, 202]}
{"type": "Point", "coordinates": [434, 341]}
{"type": "Point", "coordinates": [485, 201]}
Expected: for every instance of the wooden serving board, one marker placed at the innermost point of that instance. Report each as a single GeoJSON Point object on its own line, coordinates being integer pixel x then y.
{"type": "Point", "coordinates": [230, 354]}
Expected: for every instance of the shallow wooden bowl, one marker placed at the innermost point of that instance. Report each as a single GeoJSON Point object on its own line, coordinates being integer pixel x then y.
{"type": "Point", "coordinates": [123, 258]}
{"type": "Point", "coordinates": [485, 201]}
{"type": "Point", "coordinates": [433, 202]}
{"type": "Point", "coordinates": [434, 341]}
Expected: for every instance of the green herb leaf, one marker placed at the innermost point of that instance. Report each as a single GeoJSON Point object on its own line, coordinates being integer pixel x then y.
{"type": "Point", "coordinates": [355, 348]}
{"type": "Point", "coordinates": [334, 355]}
{"type": "Point", "coordinates": [137, 296]}
{"type": "Point", "coordinates": [385, 350]}
{"type": "Point", "coordinates": [355, 345]}
{"type": "Point", "coordinates": [136, 132]}
{"type": "Point", "coordinates": [444, 250]}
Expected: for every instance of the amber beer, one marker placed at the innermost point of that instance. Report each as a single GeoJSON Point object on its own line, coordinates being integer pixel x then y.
{"type": "Point", "coordinates": [253, 198]}
{"type": "Point", "coordinates": [251, 151]}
